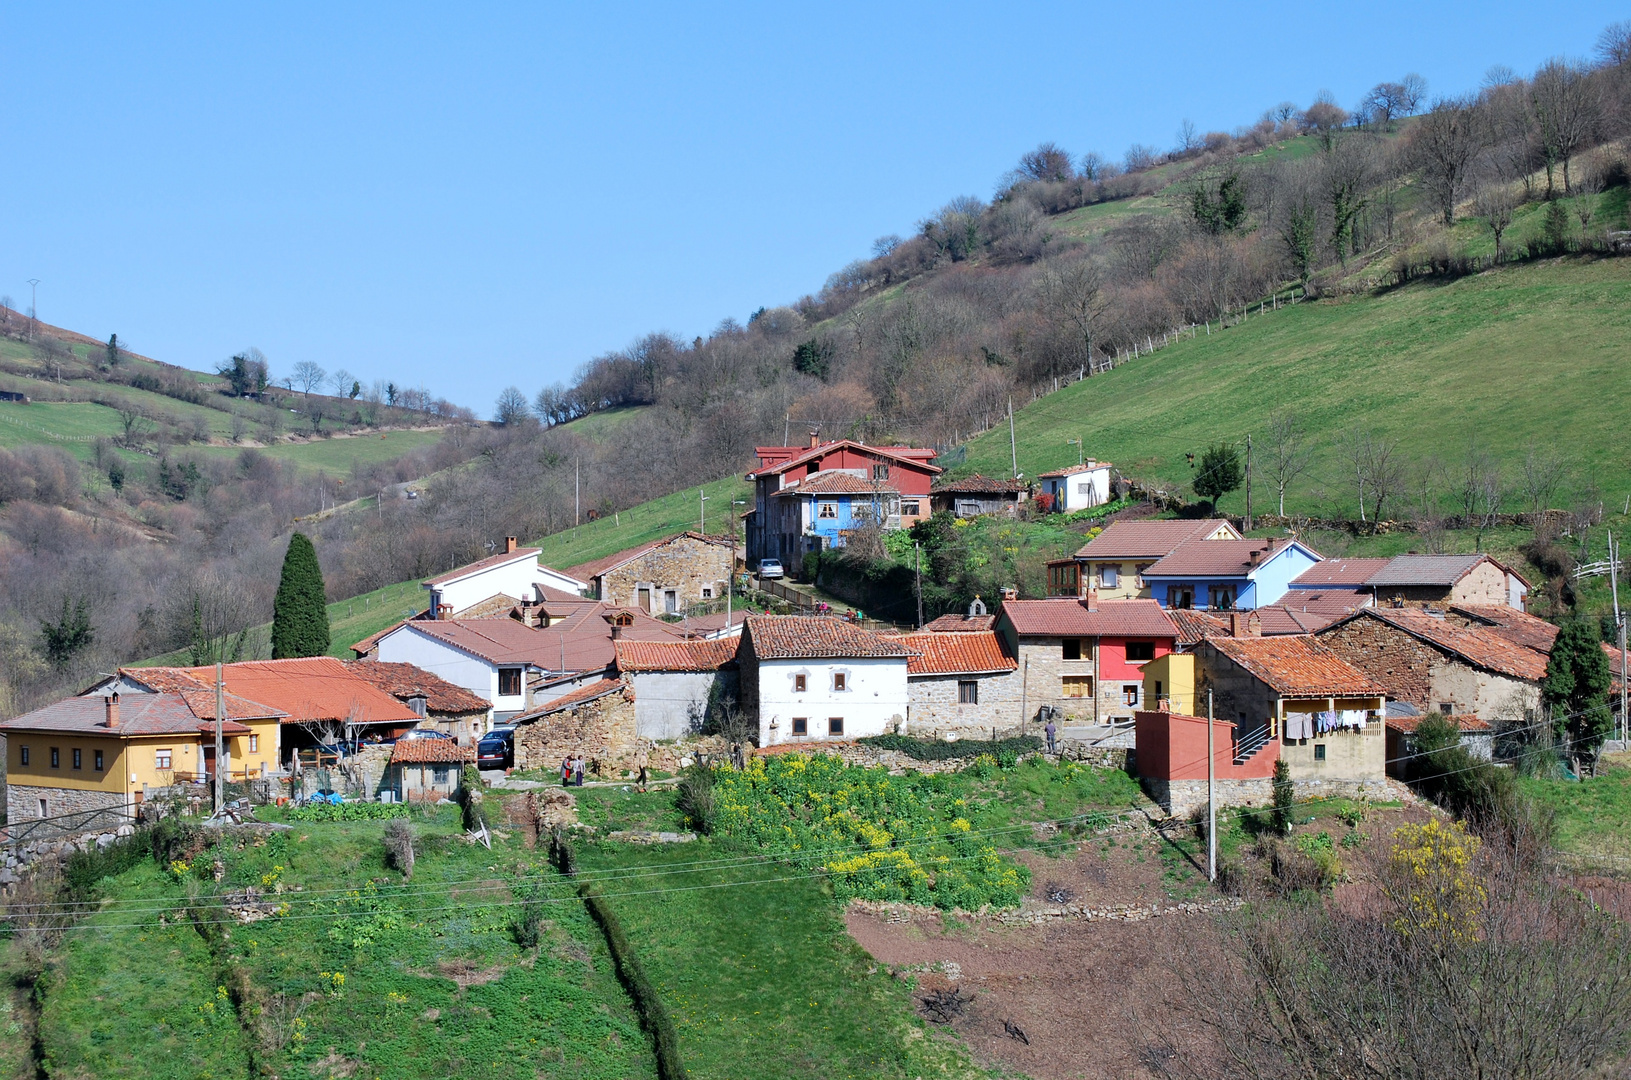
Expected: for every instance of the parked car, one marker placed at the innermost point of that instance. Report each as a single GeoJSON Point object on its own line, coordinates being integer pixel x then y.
{"type": "Point", "coordinates": [496, 750]}
{"type": "Point", "coordinates": [426, 733]}
{"type": "Point", "coordinates": [771, 568]}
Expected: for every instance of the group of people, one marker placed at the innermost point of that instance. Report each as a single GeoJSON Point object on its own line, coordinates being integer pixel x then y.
{"type": "Point", "coordinates": [572, 770]}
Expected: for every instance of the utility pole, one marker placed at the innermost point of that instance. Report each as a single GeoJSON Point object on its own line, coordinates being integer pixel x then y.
{"type": "Point", "coordinates": [1080, 460]}
{"type": "Point", "coordinates": [702, 511]}
{"type": "Point", "coordinates": [1248, 482]}
{"type": "Point", "coordinates": [576, 501]}
{"type": "Point", "coordinates": [34, 307]}
{"type": "Point", "coordinates": [1013, 446]}
{"type": "Point", "coordinates": [1619, 625]}
{"type": "Point", "coordinates": [1211, 797]}
{"type": "Point", "coordinates": [917, 550]}
{"type": "Point", "coordinates": [220, 749]}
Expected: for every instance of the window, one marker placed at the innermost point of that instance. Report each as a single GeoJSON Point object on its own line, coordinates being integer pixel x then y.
{"type": "Point", "coordinates": [801, 725]}
{"type": "Point", "coordinates": [1129, 693]}
{"type": "Point", "coordinates": [1141, 568]}
{"type": "Point", "coordinates": [840, 681]}
{"type": "Point", "coordinates": [968, 692]}
{"type": "Point", "coordinates": [439, 774]}
{"type": "Point", "coordinates": [1140, 650]}
{"type": "Point", "coordinates": [509, 682]}
{"type": "Point", "coordinates": [827, 510]}
{"type": "Point", "coordinates": [79, 762]}
{"type": "Point", "coordinates": [1071, 649]}
{"type": "Point", "coordinates": [880, 472]}
{"type": "Point", "coordinates": [22, 755]}
{"type": "Point", "coordinates": [1319, 751]}
{"type": "Point", "coordinates": [56, 758]}
{"type": "Point", "coordinates": [835, 725]}
{"type": "Point", "coordinates": [1447, 708]}
{"type": "Point", "coordinates": [671, 602]}
{"type": "Point", "coordinates": [1223, 598]}
{"type": "Point", "coordinates": [707, 592]}
{"type": "Point", "coordinates": [1109, 577]}
{"type": "Point", "coordinates": [1182, 599]}
{"type": "Point", "coordinates": [1076, 686]}
{"type": "Point", "coordinates": [800, 683]}
{"type": "Point", "coordinates": [98, 760]}
{"type": "Point", "coordinates": [1084, 487]}
{"type": "Point", "coordinates": [43, 811]}
{"type": "Point", "coordinates": [161, 760]}
{"type": "Point", "coordinates": [254, 744]}
{"type": "Point", "coordinates": [1063, 578]}
{"type": "Point", "coordinates": [908, 508]}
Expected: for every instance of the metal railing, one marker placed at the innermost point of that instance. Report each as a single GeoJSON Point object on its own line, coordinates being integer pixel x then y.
{"type": "Point", "coordinates": [1248, 747]}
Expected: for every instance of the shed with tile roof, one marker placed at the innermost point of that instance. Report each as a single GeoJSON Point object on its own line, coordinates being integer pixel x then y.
{"type": "Point", "coordinates": [679, 686]}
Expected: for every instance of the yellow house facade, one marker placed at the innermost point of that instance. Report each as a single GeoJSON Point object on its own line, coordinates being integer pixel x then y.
{"type": "Point", "coordinates": [101, 752]}
{"type": "Point", "coordinates": [1112, 564]}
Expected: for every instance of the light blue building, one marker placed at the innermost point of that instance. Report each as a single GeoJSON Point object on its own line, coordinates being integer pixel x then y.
{"type": "Point", "coordinates": [1228, 575]}
{"type": "Point", "coordinates": [827, 506]}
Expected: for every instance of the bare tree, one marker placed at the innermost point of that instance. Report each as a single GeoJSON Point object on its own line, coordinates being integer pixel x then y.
{"type": "Point", "coordinates": [1048, 162]}
{"type": "Point", "coordinates": [135, 424]}
{"type": "Point", "coordinates": [1614, 44]}
{"type": "Point", "coordinates": [1545, 470]}
{"type": "Point", "coordinates": [511, 407]}
{"type": "Point", "coordinates": [1566, 107]}
{"type": "Point", "coordinates": [1443, 145]}
{"type": "Point", "coordinates": [1480, 490]}
{"type": "Point", "coordinates": [308, 376]}
{"type": "Point", "coordinates": [1383, 470]}
{"type": "Point", "coordinates": [1348, 168]}
{"type": "Point", "coordinates": [1388, 101]}
{"type": "Point", "coordinates": [1289, 453]}
{"type": "Point", "coordinates": [1588, 184]}
{"type": "Point", "coordinates": [1325, 118]}
{"type": "Point", "coordinates": [1075, 295]}
{"type": "Point", "coordinates": [1495, 203]}
{"type": "Point", "coordinates": [1189, 137]}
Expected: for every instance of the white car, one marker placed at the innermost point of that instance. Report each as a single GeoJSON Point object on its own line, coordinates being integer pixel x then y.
{"type": "Point", "coordinates": [771, 568]}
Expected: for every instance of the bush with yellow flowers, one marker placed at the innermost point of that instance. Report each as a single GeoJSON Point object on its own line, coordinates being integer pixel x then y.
{"type": "Point", "coordinates": [875, 836]}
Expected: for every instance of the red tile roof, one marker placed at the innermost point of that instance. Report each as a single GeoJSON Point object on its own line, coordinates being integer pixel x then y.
{"type": "Point", "coordinates": [404, 681]}
{"type": "Point", "coordinates": [1279, 619]}
{"type": "Point", "coordinates": [1467, 723]}
{"type": "Point", "coordinates": [1072, 470]}
{"type": "Point", "coordinates": [980, 485]}
{"type": "Point", "coordinates": [591, 691]}
{"type": "Point", "coordinates": [308, 689]}
{"type": "Point", "coordinates": [581, 643]}
{"type": "Point", "coordinates": [817, 637]}
{"type": "Point", "coordinates": [833, 482]}
{"type": "Point", "coordinates": [1148, 539]}
{"type": "Point", "coordinates": [1069, 617]}
{"type": "Point", "coordinates": [1192, 625]}
{"type": "Point", "coordinates": [486, 564]}
{"type": "Point", "coordinates": [977, 653]}
{"type": "Point", "coordinates": [706, 654]}
{"type": "Point", "coordinates": [1342, 572]}
{"type": "Point", "coordinates": [1297, 667]}
{"type": "Point", "coordinates": [1224, 558]}
{"type": "Point", "coordinates": [199, 691]}
{"type": "Point", "coordinates": [139, 714]}
{"type": "Point", "coordinates": [596, 567]}
{"type": "Point", "coordinates": [1509, 622]}
{"type": "Point", "coordinates": [430, 752]}
{"type": "Point", "coordinates": [960, 624]}
{"type": "Point", "coordinates": [909, 456]}
{"type": "Point", "coordinates": [1480, 646]}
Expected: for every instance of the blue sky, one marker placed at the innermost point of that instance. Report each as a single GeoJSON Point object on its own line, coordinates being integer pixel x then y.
{"type": "Point", "coordinates": [470, 196]}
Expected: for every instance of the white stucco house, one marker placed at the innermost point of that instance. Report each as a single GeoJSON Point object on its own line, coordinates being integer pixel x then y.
{"type": "Point", "coordinates": [1078, 486]}
{"type": "Point", "coordinates": [515, 572]}
{"type": "Point", "coordinates": [814, 679]}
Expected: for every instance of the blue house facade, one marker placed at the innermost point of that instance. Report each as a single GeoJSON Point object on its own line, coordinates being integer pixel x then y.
{"type": "Point", "coordinates": [1228, 575]}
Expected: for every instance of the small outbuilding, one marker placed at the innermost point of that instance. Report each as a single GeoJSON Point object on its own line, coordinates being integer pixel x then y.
{"type": "Point", "coordinates": [425, 770]}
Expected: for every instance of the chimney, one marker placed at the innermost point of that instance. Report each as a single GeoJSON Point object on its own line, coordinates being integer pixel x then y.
{"type": "Point", "coordinates": [111, 705]}
{"type": "Point", "coordinates": [509, 544]}
{"type": "Point", "coordinates": [1090, 600]}
{"type": "Point", "coordinates": [617, 631]}
{"type": "Point", "coordinates": [1234, 624]}
{"type": "Point", "coordinates": [1254, 624]}
{"type": "Point", "coordinates": [444, 611]}
{"type": "Point", "coordinates": [1010, 593]}
{"type": "Point", "coordinates": [815, 439]}
{"type": "Point", "coordinates": [417, 703]}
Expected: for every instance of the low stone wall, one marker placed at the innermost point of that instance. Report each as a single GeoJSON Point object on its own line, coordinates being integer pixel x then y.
{"type": "Point", "coordinates": [17, 861]}
{"type": "Point", "coordinates": [1182, 798]}
{"type": "Point", "coordinates": [604, 731]}
{"type": "Point", "coordinates": [1115, 913]}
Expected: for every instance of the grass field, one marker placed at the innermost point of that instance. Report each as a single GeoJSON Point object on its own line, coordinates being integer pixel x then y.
{"type": "Point", "coordinates": [1434, 366]}
{"type": "Point", "coordinates": [643, 523]}
{"type": "Point", "coordinates": [1593, 815]}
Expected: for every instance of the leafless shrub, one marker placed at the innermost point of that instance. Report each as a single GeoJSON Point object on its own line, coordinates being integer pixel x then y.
{"type": "Point", "coordinates": [399, 840]}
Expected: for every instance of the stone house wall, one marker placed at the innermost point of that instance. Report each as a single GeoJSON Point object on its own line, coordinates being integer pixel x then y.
{"type": "Point", "coordinates": [671, 704]}
{"type": "Point", "coordinates": [932, 704]}
{"type": "Point", "coordinates": [686, 565]}
{"type": "Point", "coordinates": [1237, 695]}
{"type": "Point", "coordinates": [23, 801]}
{"type": "Point", "coordinates": [1404, 664]}
{"type": "Point", "coordinates": [605, 732]}
{"type": "Point", "coordinates": [1042, 668]}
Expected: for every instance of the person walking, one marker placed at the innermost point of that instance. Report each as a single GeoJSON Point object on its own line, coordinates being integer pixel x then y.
{"type": "Point", "coordinates": [566, 771]}
{"type": "Point", "coordinates": [577, 770]}
{"type": "Point", "coordinates": [642, 760]}
{"type": "Point", "coordinates": [1052, 732]}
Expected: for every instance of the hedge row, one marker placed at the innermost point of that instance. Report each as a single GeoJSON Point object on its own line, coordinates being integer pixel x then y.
{"type": "Point", "coordinates": [940, 750]}
{"type": "Point", "coordinates": [351, 811]}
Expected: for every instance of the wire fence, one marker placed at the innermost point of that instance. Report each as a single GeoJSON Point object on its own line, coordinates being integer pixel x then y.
{"type": "Point", "coordinates": [58, 827]}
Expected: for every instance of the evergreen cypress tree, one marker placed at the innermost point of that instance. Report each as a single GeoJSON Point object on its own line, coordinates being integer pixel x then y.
{"type": "Point", "coordinates": [1576, 687]}
{"type": "Point", "coordinates": [300, 611]}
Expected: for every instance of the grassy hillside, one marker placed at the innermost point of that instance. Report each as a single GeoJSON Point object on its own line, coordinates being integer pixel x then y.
{"type": "Point", "coordinates": [1538, 353]}
{"type": "Point", "coordinates": [645, 522]}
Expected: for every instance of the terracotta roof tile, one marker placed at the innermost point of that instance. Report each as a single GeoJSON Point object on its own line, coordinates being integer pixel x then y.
{"type": "Point", "coordinates": [1072, 470]}
{"type": "Point", "coordinates": [817, 637]}
{"type": "Point", "coordinates": [1467, 723]}
{"type": "Point", "coordinates": [588, 571]}
{"type": "Point", "coordinates": [485, 564]}
{"type": "Point", "coordinates": [910, 456]}
{"type": "Point", "coordinates": [833, 482]}
{"type": "Point", "coordinates": [430, 752]}
{"type": "Point", "coordinates": [960, 624]}
{"type": "Point", "coordinates": [1069, 617]}
{"type": "Point", "coordinates": [199, 691]}
{"type": "Point", "coordinates": [139, 714]}
{"type": "Point", "coordinates": [1276, 619]}
{"type": "Point", "coordinates": [1343, 572]}
{"type": "Point", "coordinates": [1227, 558]}
{"type": "Point", "coordinates": [1192, 625]}
{"type": "Point", "coordinates": [403, 681]}
{"type": "Point", "coordinates": [979, 485]}
{"type": "Point", "coordinates": [976, 653]}
{"type": "Point", "coordinates": [587, 692]}
{"type": "Point", "coordinates": [1297, 666]}
{"type": "Point", "coordinates": [1509, 622]}
{"type": "Point", "coordinates": [1148, 539]}
{"type": "Point", "coordinates": [707, 654]}
{"type": "Point", "coordinates": [308, 689]}
{"type": "Point", "coordinates": [1480, 646]}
